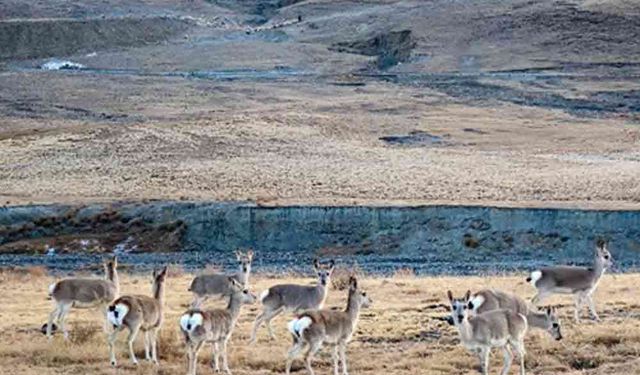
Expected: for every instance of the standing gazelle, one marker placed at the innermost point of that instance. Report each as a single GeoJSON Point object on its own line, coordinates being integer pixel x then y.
{"type": "Point", "coordinates": [496, 328]}
{"type": "Point", "coordinates": [215, 326]}
{"type": "Point", "coordinates": [579, 281]}
{"type": "Point", "coordinates": [292, 297]}
{"type": "Point", "coordinates": [313, 328]}
{"type": "Point", "coordinates": [208, 285]}
{"type": "Point", "coordinates": [137, 313]}
{"type": "Point", "coordinates": [83, 293]}
{"type": "Point", "coordinates": [491, 299]}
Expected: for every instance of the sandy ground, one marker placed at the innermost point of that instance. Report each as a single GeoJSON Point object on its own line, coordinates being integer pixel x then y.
{"type": "Point", "coordinates": [400, 333]}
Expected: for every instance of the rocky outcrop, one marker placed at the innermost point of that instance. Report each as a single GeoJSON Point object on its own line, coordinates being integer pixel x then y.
{"type": "Point", "coordinates": [390, 48]}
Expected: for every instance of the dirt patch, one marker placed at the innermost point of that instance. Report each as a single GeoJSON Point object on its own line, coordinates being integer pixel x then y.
{"type": "Point", "coordinates": [45, 38]}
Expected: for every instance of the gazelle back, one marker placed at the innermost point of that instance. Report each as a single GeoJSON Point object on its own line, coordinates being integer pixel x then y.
{"type": "Point", "coordinates": [209, 285]}
{"type": "Point", "coordinates": [581, 282]}
{"type": "Point", "coordinates": [82, 293]}
{"type": "Point", "coordinates": [293, 297]}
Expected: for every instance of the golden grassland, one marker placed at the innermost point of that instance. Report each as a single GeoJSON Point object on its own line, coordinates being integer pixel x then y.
{"type": "Point", "coordinates": [399, 334]}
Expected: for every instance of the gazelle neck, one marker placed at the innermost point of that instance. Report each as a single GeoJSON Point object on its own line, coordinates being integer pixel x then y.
{"type": "Point", "coordinates": [158, 291]}
{"type": "Point", "coordinates": [353, 308]}
{"type": "Point", "coordinates": [112, 275]}
{"type": "Point", "coordinates": [235, 302]}
{"type": "Point", "coordinates": [537, 319]}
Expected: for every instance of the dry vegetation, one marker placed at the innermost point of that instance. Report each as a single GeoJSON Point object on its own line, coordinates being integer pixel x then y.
{"type": "Point", "coordinates": [400, 334]}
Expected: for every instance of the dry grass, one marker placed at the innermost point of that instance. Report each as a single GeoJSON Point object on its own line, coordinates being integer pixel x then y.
{"type": "Point", "coordinates": [400, 334]}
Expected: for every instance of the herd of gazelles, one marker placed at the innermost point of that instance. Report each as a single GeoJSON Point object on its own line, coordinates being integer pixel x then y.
{"type": "Point", "coordinates": [485, 320]}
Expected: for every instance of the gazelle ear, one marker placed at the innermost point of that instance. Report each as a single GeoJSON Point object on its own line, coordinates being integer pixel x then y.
{"type": "Point", "coordinates": [316, 264]}
{"type": "Point", "coordinates": [238, 255]}
{"type": "Point", "coordinates": [353, 283]}
{"type": "Point", "coordinates": [155, 273]}
{"type": "Point", "coordinates": [250, 255]}
{"type": "Point", "coordinates": [450, 295]}
{"type": "Point", "coordinates": [164, 271]}
{"type": "Point", "coordinates": [115, 262]}
{"type": "Point", "coordinates": [467, 296]}
{"type": "Point", "coordinates": [549, 311]}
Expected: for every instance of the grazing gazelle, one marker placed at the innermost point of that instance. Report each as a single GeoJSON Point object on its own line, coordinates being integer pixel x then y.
{"type": "Point", "coordinates": [496, 328]}
{"type": "Point", "coordinates": [137, 312]}
{"type": "Point", "coordinates": [313, 328]}
{"type": "Point", "coordinates": [491, 299]}
{"type": "Point", "coordinates": [205, 286]}
{"type": "Point", "coordinates": [579, 281]}
{"type": "Point", "coordinates": [214, 326]}
{"type": "Point", "coordinates": [83, 293]}
{"type": "Point", "coordinates": [294, 298]}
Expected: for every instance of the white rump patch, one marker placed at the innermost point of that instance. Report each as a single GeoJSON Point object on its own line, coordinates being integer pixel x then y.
{"type": "Point", "coordinates": [51, 288]}
{"type": "Point", "coordinates": [116, 317]}
{"type": "Point", "coordinates": [264, 294]}
{"type": "Point", "coordinates": [297, 326]}
{"type": "Point", "coordinates": [477, 301]}
{"type": "Point", "coordinates": [190, 322]}
{"type": "Point", "coordinates": [535, 276]}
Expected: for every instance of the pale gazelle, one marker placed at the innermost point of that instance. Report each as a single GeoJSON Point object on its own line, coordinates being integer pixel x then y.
{"type": "Point", "coordinates": [214, 326]}
{"type": "Point", "coordinates": [313, 328]}
{"type": "Point", "coordinates": [579, 281]}
{"type": "Point", "coordinates": [492, 329]}
{"type": "Point", "coordinates": [137, 312]}
{"type": "Point", "coordinates": [491, 299]}
{"type": "Point", "coordinates": [83, 293]}
{"type": "Point", "coordinates": [209, 285]}
{"type": "Point", "coordinates": [293, 298]}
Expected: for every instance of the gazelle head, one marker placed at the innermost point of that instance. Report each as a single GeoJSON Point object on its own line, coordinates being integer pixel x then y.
{"type": "Point", "coordinates": [237, 289]}
{"type": "Point", "coordinates": [603, 256]}
{"type": "Point", "coordinates": [459, 307]}
{"type": "Point", "coordinates": [110, 266]}
{"type": "Point", "coordinates": [553, 323]}
{"type": "Point", "coordinates": [158, 279]}
{"type": "Point", "coordinates": [357, 295]}
{"type": "Point", "coordinates": [244, 260]}
{"type": "Point", "coordinates": [323, 271]}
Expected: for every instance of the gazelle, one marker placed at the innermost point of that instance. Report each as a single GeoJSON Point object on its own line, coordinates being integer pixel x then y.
{"type": "Point", "coordinates": [205, 286]}
{"type": "Point", "coordinates": [315, 327]}
{"type": "Point", "coordinates": [215, 326]}
{"type": "Point", "coordinates": [491, 299]}
{"type": "Point", "coordinates": [83, 293]}
{"type": "Point", "coordinates": [136, 313]}
{"type": "Point", "coordinates": [293, 297]}
{"type": "Point", "coordinates": [581, 282]}
{"type": "Point", "coordinates": [496, 328]}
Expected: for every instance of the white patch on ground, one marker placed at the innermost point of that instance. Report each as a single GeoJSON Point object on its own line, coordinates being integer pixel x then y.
{"type": "Point", "coordinates": [61, 65]}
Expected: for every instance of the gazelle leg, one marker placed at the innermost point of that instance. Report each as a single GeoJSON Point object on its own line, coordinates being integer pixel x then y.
{"type": "Point", "coordinates": [268, 319]}
{"type": "Point", "coordinates": [111, 341]}
{"type": "Point", "coordinates": [190, 356]}
{"type": "Point", "coordinates": [154, 345]}
{"type": "Point", "coordinates": [147, 351]}
{"type": "Point", "coordinates": [225, 360]}
{"type": "Point", "coordinates": [592, 308]}
{"type": "Point", "coordinates": [343, 355]}
{"type": "Point", "coordinates": [578, 299]}
{"type": "Point", "coordinates": [133, 332]}
{"type": "Point", "coordinates": [508, 357]}
{"type": "Point", "coordinates": [335, 359]}
{"type": "Point", "coordinates": [484, 362]}
{"type": "Point", "coordinates": [313, 349]}
{"type": "Point", "coordinates": [518, 346]}
{"type": "Point", "coordinates": [215, 354]}
{"type": "Point", "coordinates": [52, 318]}
{"type": "Point", "coordinates": [292, 354]}
{"type": "Point", "coordinates": [198, 301]}
{"type": "Point", "coordinates": [62, 317]}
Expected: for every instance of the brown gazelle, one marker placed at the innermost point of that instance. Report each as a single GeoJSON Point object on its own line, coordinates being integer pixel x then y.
{"type": "Point", "coordinates": [215, 326]}
{"type": "Point", "coordinates": [209, 285]}
{"type": "Point", "coordinates": [83, 293]}
{"type": "Point", "coordinates": [491, 299]}
{"type": "Point", "coordinates": [139, 313]}
{"type": "Point", "coordinates": [293, 297]}
{"type": "Point", "coordinates": [496, 328]}
{"type": "Point", "coordinates": [581, 282]}
{"type": "Point", "coordinates": [313, 328]}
